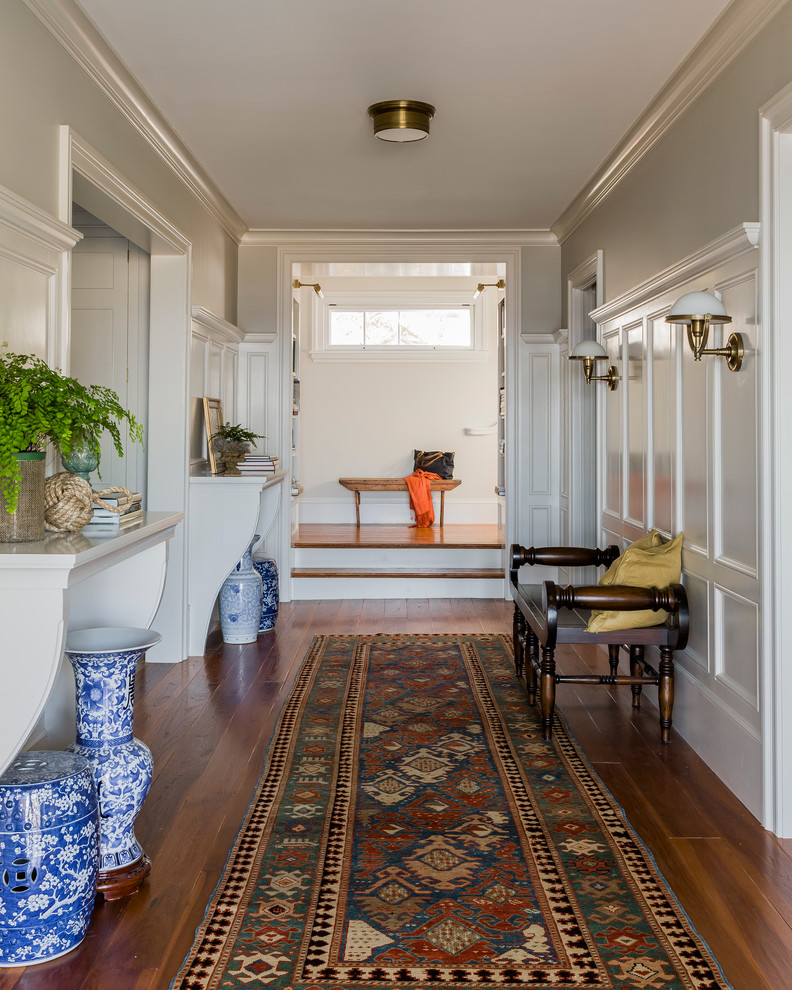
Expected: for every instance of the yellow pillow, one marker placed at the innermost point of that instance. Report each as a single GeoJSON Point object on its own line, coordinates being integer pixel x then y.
{"type": "Point", "coordinates": [652, 539]}
{"type": "Point", "coordinates": [643, 567]}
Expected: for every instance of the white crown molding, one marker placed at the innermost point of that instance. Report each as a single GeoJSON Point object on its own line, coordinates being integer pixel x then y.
{"type": "Point", "coordinates": [738, 25]}
{"type": "Point", "coordinates": [18, 213]}
{"type": "Point", "coordinates": [219, 329]}
{"type": "Point", "coordinates": [70, 26]}
{"type": "Point", "coordinates": [731, 245]}
{"type": "Point", "coordinates": [291, 240]}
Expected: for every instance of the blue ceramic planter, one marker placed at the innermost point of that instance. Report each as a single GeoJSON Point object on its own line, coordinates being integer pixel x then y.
{"type": "Point", "coordinates": [49, 856]}
{"type": "Point", "coordinates": [268, 572]}
{"type": "Point", "coordinates": [240, 601]}
{"type": "Point", "coordinates": [104, 662]}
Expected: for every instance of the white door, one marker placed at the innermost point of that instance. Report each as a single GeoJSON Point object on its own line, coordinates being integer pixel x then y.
{"type": "Point", "coordinates": [109, 338]}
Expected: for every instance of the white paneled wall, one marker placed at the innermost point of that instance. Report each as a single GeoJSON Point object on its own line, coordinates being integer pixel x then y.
{"type": "Point", "coordinates": [677, 450]}
{"type": "Point", "coordinates": [214, 364]}
{"type": "Point", "coordinates": [541, 439]}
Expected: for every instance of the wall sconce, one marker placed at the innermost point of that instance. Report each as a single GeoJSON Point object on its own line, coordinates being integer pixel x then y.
{"type": "Point", "coordinates": [589, 351]}
{"type": "Point", "coordinates": [401, 121]}
{"type": "Point", "coordinates": [297, 284]}
{"type": "Point", "coordinates": [697, 311]}
{"type": "Point", "coordinates": [500, 284]}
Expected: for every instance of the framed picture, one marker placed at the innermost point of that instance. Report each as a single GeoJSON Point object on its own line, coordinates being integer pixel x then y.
{"type": "Point", "coordinates": [213, 420]}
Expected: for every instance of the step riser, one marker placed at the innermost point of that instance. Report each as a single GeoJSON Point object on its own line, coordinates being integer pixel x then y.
{"type": "Point", "coordinates": [433, 558]}
{"type": "Point", "coordinates": [309, 589]}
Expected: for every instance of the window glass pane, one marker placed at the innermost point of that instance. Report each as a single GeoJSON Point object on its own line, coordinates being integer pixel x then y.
{"type": "Point", "coordinates": [346, 328]}
{"type": "Point", "coordinates": [382, 328]}
{"type": "Point", "coordinates": [435, 327]}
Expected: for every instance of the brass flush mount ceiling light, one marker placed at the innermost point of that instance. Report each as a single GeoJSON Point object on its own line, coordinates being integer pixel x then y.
{"type": "Point", "coordinates": [401, 120]}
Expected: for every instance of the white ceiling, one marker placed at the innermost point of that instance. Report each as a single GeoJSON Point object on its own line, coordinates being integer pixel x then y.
{"type": "Point", "coordinates": [531, 96]}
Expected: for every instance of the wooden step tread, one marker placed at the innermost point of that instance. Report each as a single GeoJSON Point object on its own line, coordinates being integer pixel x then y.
{"type": "Point", "coordinates": [451, 537]}
{"type": "Point", "coordinates": [397, 572]}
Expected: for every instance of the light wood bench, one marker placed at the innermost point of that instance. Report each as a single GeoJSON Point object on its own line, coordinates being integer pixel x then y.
{"type": "Point", "coordinates": [358, 485]}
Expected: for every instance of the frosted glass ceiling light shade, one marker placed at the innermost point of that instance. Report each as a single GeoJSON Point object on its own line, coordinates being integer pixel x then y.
{"type": "Point", "coordinates": [698, 311]}
{"type": "Point", "coordinates": [401, 121]}
{"type": "Point", "coordinates": [589, 351]}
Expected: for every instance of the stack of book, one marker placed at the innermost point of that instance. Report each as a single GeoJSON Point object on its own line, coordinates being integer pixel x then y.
{"type": "Point", "coordinates": [105, 522]}
{"type": "Point", "coordinates": [258, 464]}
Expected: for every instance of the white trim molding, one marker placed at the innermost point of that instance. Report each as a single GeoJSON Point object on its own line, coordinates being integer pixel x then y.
{"type": "Point", "coordinates": [737, 26]}
{"type": "Point", "coordinates": [775, 130]}
{"type": "Point", "coordinates": [77, 34]}
{"type": "Point", "coordinates": [731, 245]}
{"type": "Point", "coordinates": [219, 329]}
{"type": "Point", "coordinates": [297, 240]}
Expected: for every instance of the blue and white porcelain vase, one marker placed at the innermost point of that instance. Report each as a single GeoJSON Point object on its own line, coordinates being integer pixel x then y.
{"type": "Point", "coordinates": [267, 570]}
{"type": "Point", "coordinates": [240, 601]}
{"type": "Point", "coordinates": [104, 662]}
{"type": "Point", "coordinates": [49, 856]}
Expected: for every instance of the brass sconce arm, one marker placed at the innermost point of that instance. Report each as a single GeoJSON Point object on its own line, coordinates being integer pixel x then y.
{"type": "Point", "coordinates": [297, 284]}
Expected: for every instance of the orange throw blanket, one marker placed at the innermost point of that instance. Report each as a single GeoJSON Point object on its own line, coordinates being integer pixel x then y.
{"type": "Point", "coordinates": [419, 485]}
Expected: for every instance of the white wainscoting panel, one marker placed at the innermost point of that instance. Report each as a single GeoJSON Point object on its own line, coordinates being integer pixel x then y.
{"type": "Point", "coordinates": [678, 452]}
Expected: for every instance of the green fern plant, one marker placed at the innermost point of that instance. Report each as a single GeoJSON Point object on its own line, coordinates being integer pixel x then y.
{"type": "Point", "coordinates": [39, 404]}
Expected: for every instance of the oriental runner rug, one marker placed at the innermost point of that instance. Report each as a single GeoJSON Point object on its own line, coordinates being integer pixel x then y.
{"type": "Point", "coordinates": [412, 829]}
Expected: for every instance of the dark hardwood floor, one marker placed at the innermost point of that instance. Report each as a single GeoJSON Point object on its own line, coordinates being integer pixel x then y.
{"type": "Point", "coordinates": [208, 722]}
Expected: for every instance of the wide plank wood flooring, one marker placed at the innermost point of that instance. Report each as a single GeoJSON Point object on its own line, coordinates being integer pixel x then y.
{"type": "Point", "coordinates": [208, 722]}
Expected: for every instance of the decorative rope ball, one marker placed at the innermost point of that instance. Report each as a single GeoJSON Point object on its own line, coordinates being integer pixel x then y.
{"type": "Point", "coordinates": [69, 502]}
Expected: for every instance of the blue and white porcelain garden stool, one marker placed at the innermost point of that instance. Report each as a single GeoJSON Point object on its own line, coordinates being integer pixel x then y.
{"type": "Point", "coordinates": [49, 856]}
{"type": "Point", "coordinates": [104, 662]}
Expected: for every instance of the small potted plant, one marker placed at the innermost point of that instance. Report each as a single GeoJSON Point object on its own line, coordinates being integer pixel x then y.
{"type": "Point", "coordinates": [40, 405]}
{"type": "Point", "coordinates": [233, 442]}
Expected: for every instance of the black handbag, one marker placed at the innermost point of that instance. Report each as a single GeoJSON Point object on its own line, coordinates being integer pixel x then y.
{"type": "Point", "coordinates": [439, 462]}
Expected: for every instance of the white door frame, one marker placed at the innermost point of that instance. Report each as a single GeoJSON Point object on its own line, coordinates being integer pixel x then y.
{"type": "Point", "coordinates": [582, 440]}
{"type": "Point", "coordinates": [452, 246]}
{"type": "Point", "coordinates": [776, 460]}
{"type": "Point", "coordinates": [103, 190]}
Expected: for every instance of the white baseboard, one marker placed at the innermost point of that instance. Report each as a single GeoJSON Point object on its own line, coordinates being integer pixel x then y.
{"type": "Point", "coordinates": [380, 508]}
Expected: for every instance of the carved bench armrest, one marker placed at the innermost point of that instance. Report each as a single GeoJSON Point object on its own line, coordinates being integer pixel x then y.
{"type": "Point", "coordinates": [616, 597]}
{"type": "Point", "coordinates": [560, 557]}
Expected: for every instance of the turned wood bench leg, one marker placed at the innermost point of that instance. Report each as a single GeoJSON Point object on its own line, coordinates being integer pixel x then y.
{"type": "Point", "coordinates": [665, 689]}
{"type": "Point", "coordinates": [442, 507]}
{"type": "Point", "coordinates": [636, 670]}
{"type": "Point", "coordinates": [613, 658]}
{"type": "Point", "coordinates": [547, 688]}
{"type": "Point", "coordinates": [518, 633]}
{"type": "Point", "coordinates": [532, 648]}
{"type": "Point", "coordinates": [357, 509]}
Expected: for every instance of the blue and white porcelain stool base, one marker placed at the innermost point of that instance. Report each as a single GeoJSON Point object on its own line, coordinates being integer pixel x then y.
{"type": "Point", "coordinates": [104, 662]}
{"type": "Point", "coordinates": [49, 856]}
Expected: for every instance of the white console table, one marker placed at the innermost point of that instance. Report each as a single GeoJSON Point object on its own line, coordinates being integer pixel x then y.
{"type": "Point", "coordinates": [225, 513]}
{"type": "Point", "coordinates": [69, 579]}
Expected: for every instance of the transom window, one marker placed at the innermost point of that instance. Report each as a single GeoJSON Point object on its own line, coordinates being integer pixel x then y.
{"type": "Point", "coordinates": [437, 327]}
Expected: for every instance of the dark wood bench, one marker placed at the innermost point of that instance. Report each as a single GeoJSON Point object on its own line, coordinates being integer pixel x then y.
{"type": "Point", "coordinates": [547, 614]}
{"type": "Point", "coordinates": [358, 485]}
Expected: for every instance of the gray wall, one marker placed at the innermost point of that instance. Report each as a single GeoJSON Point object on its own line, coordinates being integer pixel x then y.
{"type": "Point", "coordinates": [699, 181]}
{"type": "Point", "coordinates": [41, 87]}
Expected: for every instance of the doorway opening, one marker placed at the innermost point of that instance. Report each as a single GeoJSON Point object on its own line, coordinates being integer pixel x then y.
{"type": "Point", "coordinates": [109, 343]}
{"type": "Point", "coordinates": [388, 358]}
